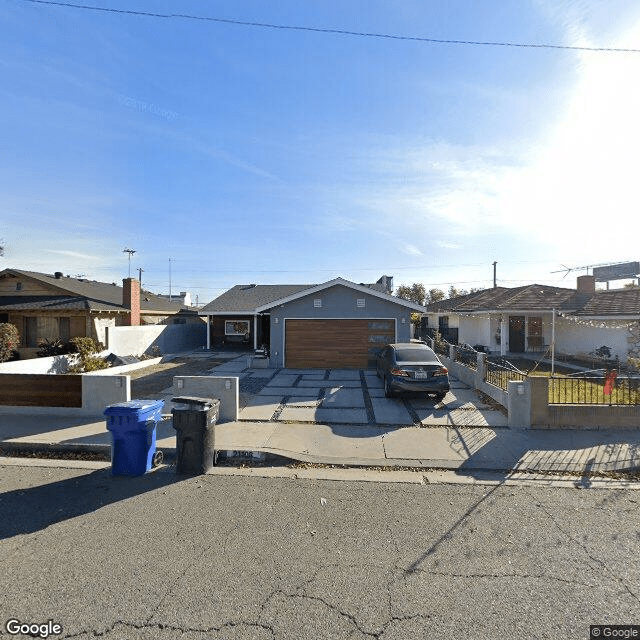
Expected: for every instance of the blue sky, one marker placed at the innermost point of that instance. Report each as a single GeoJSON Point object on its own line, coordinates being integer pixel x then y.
{"type": "Point", "coordinates": [248, 154]}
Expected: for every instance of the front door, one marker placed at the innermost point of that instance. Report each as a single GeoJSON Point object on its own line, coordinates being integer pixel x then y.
{"type": "Point", "coordinates": [516, 334]}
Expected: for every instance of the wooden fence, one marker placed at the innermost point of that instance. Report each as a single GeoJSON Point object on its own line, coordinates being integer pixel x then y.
{"type": "Point", "coordinates": [40, 390]}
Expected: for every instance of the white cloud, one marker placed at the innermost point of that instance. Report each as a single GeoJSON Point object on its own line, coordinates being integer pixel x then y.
{"type": "Point", "coordinates": [573, 194]}
{"type": "Point", "coordinates": [410, 250]}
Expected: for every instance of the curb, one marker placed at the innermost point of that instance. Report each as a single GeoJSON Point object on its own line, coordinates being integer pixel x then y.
{"type": "Point", "coordinates": [102, 452]}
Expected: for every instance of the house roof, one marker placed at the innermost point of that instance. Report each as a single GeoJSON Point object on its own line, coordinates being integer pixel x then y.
{"type": "Point", "coordinates": [615, 302]}
{"type": "Point", "coordinates": [246, 298]}
{"type": "Point", "coordinates": [255, 298]}
{"type": "Point", "coordinates": [79, 294]}
{"type": "Point", "coordinates": [536, 297]}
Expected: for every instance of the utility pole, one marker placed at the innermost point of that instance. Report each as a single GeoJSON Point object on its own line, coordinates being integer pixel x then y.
{"type": "Point", "coordinates": [495, 282]}
{"type": "Point", "coordinates": [140, 270]}
{"type": "Point", "coordinates": [130, 252]}
{"type": "Point", "coordinates": [169, 279]}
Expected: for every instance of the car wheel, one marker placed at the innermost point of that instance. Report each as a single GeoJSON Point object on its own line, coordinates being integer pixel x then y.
{"type": "Point", "coordinates": [387, 389]}
{"type": "Point", "coordinates": [439, 397]}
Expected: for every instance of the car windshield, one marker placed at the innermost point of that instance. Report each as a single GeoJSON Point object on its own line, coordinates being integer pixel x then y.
{"type": "Point", "coordinates": [415, 355]}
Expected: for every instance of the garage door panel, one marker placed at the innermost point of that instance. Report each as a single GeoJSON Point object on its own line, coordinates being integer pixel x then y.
{"type": "Point", "coordinates": [335, 343]}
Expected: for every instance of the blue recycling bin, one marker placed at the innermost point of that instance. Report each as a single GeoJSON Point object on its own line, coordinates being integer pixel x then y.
{"type": "Point", "coordinates": [133, 436]}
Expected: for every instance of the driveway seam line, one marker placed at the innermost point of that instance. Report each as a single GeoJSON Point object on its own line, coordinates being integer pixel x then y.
{"type": "Point", "coordinates": [368, 405]}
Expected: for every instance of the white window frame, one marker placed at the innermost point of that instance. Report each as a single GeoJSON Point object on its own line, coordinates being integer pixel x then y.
{"type": "Point", "coordinates": [361, 303]}
{"type": "Point", "coordinates": [317, 303]}
{"type": "Point", "coordinates": [246, 323]}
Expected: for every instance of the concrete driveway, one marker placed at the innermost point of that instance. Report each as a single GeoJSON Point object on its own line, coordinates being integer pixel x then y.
{"type": "Point", "coordinates": [348, 396]}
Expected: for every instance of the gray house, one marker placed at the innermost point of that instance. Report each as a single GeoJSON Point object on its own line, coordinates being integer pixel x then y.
{"type": "Point", "coordinates": [335, 324]}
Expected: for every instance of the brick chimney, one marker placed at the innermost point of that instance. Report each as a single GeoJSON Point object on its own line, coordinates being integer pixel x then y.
{"type": "Point", "coordinates": [131, 300]}
{"type": "Point", "coordinates": [586, 284]}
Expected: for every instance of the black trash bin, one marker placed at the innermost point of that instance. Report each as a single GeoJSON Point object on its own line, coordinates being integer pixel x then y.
{"type": "Point", "coordinates": [194, 420]}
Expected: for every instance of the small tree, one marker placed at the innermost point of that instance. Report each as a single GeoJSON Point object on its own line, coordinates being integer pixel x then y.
{"type": "Point", "coordinates": [435, 295]}
{"type": "Point", "coordinates": [9, 340]}
{"type": "Point", "coordinates": [439, 343]}
{"type": "Point", "coordinates": [87, 359]}
{"type": "Point", "coordinates": [414, 293]}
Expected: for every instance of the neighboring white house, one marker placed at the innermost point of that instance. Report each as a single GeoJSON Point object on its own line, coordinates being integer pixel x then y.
{"type": "Point", "coordinates": [520, 320]}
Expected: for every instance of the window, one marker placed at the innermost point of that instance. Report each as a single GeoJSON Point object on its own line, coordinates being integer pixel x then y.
{"type": "Point", "coordinates": [360, 303]}
{"type": "Point", "coordinates": [535, 336]}
{"type": "Point", "coordinates": [236, 328]}
{"type": "Point", "coordinates": [18, 286]}
{"type": "Point", "coordinates": [317, 303]}
{"type": "Point", "coordinates": [443, 322]}
{"type": "Point", "coordinates": [64, 329]}
{"type": "Point", "coordinates": [31, 331]}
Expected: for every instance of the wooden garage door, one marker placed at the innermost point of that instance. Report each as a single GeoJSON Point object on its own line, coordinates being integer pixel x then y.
{"type": "Point", "coordinates": [345, 344]}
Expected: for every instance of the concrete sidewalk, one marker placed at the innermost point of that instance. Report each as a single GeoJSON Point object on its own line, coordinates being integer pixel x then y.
{"type": "Point", "coordinates": [461, 448]}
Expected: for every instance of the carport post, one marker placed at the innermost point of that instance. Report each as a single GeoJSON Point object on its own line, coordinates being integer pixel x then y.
{"type": "Point", "coordinates": [503, 336]}
{"type": "Point", "coordinates": [255, 331]}
{"type": "Point", "coordinates": [208, 332]}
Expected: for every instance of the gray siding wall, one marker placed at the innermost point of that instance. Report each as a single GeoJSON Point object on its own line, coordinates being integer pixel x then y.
{"type": "Point", "coordinates": [337, 302]}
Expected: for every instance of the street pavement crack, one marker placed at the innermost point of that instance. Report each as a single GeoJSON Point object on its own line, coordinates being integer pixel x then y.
{"type": "Point", "coordinates": [601, 564]}
{"type": "Point", "coordinates": [499, 576]}
{"type": "Point", "coordinates": [169, 627]}
{"type": "Point", "coordinates": [188, 568]}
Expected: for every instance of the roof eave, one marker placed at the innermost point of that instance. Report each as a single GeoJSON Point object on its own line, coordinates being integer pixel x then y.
{"type": "Point", "coordinates": [345, 283]}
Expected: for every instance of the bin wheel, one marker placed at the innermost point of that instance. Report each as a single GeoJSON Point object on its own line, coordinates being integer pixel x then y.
{"type": "Point", "coordinates": [158, 457]}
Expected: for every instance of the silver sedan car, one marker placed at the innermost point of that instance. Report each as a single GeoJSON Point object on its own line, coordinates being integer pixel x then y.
{"type": "Point", "coordinates": [412, 367]}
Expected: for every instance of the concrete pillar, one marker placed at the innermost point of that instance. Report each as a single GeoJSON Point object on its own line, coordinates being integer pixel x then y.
{"type": "Point", "coordinates": [481, 371]}
{"type": "Point", "coordinates": [539, 400]}
{"type": "Point", "coordinates": [519, 404]}
{"type": "Point", "coordinates": [208, 332]}
{"type": "Point", "coordinates": [255, 332]}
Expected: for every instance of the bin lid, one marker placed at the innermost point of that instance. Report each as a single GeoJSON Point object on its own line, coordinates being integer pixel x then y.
{"type": "Point", "coordinates": [198, 402]}
{"type": "Point", "coordinates": [137, 407]}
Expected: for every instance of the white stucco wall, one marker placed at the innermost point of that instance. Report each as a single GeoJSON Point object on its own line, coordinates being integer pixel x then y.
{"type": "Point", "coordinates": [580, 339]}
{"type": "Point", "coordinates": [99, 327]}
{"type": "Point", "coordinates": [172, 338]}
{"type": "Point", "coordinates": [473, 330]}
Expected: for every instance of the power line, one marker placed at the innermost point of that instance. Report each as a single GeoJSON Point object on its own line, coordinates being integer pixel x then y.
{"type": "Point", "coordinates": [343, 32]}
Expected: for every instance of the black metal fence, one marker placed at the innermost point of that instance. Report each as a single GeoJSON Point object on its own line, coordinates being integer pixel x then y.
{"type": "Point", "coordinates": [466, 356]}
{"type": "Point", "coordinates": [441, 347]}
{"type": "Point", "coordinates": [499, 373]}
{"type": "Point", "coordinates": [450, 335]}
{"type": "Point", "coordinates": [594, 389]}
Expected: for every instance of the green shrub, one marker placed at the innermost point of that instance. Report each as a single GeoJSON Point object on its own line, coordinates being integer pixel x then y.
{"type": "Point", "coordinates": [54, 347]}
{"type": "Point", "coordinates": [9, 340]}
{"type": "Point", "coordinates": [87, 358]}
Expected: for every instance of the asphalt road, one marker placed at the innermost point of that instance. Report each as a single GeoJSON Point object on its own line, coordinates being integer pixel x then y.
{"type": "Point", "coordinates": [237, 558]}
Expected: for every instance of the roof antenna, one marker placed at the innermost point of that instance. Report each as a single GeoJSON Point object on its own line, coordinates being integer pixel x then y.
{"type": "Point", "coordinates": [495, 284]}
{"type": "Point", "coordinates": [130, 252]}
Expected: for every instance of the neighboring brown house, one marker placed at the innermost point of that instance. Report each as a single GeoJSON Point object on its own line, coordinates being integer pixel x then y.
{"type": "Point", "coordinates": [55, 306]}
{"type": "Point", "coordinates": [521, 319]}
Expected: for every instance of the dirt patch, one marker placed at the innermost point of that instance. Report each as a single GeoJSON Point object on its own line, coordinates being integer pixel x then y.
{"type": "Point", "coordinates": [153, 380]}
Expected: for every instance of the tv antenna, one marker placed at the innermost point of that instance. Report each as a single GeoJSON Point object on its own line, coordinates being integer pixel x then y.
{"type": "Point", "coordinates": [567, 270]}
{"type": "Point", "coordinates": [130, 252]}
